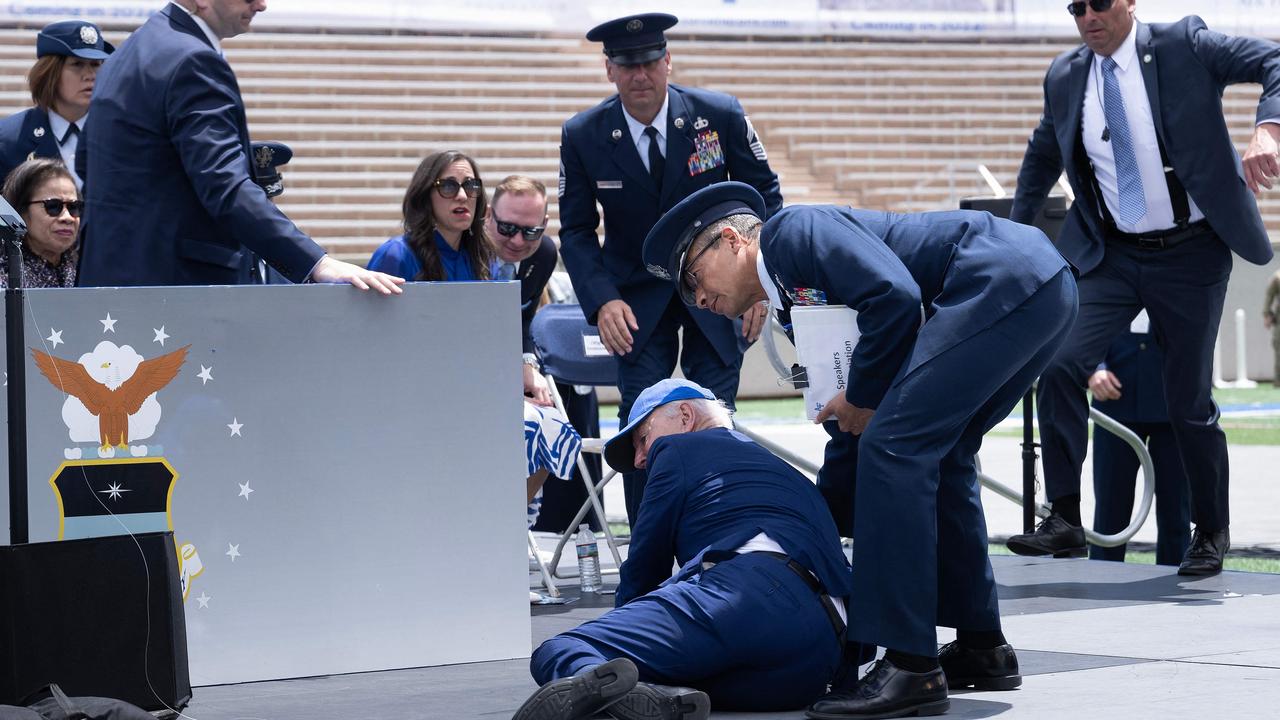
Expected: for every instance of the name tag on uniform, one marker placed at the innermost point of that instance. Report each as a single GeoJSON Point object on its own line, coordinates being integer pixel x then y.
{"type": "Point", "coordinates": [592, 347]}
{"type": "Point", "coordinates": [707, 153]}
{"type": "Point", "coordinates": [608, 184]}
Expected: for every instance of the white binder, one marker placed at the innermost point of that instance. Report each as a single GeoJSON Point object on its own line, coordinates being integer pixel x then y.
{"type": "Point", "coordinates": [825, 336]}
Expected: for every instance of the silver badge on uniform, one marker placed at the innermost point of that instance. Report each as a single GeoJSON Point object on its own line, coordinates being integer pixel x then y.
{"type": "Point", "coordinates": [38, 132]}
{"type": "Point", "coordinates": [1146, 58]}
{"type": "Point", "coordinates": [700, 123]}
{"type": "Point", "coordinates": [679, 123]}
{"type": "Point", "coordinates": [88, 35]}
{"type": "Point", "coordinates": [617, 134]}
{"type": "Point", "coordinates": [658, 271]}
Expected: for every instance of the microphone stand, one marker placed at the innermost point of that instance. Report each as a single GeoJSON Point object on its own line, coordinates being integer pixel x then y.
{"type": "Point", "coordinates": [11, 234]}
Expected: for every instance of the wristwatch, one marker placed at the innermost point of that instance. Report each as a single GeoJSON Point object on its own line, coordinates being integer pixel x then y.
{"type": "Point", "coordinates": [532, 361]}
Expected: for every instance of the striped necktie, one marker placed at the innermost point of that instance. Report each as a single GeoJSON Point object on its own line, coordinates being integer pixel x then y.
{"type": "Point", "coordinates": [1133, 202]}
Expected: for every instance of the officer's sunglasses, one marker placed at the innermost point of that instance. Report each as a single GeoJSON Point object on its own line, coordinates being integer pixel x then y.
{"type": "Point", "coordinates": [54, 206]}
{"type": "Point", "coordinates": [448, 187]}
{"type": "Point", "coordinates": [1099, 6]}
{"type": "Point", "coordinates": [530, 233]}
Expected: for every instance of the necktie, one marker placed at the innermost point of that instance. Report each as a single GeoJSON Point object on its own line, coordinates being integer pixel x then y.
{"type": "Point", "coordinates": [656, 162]}
{"type": "Point", "coordinates": [1133, 202]}
{"type": "Point", "coordinates": [507, 271]}
{"type": "Point", "coordinates": [72, 130]}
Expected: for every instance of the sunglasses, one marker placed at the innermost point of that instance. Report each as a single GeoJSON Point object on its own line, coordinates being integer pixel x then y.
{"type": "Point", "coordinates": [530, 233]}
{"type": "Point", "coordinates": [1099, 6]}
{"type": "Point", "coordinates": [54, 206]}
{"type": "Point", "coordinates": [448, 187]}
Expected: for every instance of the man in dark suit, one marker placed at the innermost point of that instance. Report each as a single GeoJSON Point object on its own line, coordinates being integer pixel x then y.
{"type": "Point", "coordinates": [1128, 388]}
{"type": "Point", "coordinates": [957, 313]}
{"type": "Point", "coordinates": [171, 199]}
{"type": "Point", "coordinates": [1162, 200]}
{"type": "Point", "coordinates": [637, 154]}
{"type": "Point", "coordinates": [748, 621]}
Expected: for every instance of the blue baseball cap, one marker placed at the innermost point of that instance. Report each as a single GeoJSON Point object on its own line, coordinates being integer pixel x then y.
{"type": "Point", "coordinates": [73, 37]}
{"type": "Point", "coordinates": [635, 39]}
{"type": "Point", "coordinates": [668, 241]}
{"type": "Point", "coordinates": [620, 452]}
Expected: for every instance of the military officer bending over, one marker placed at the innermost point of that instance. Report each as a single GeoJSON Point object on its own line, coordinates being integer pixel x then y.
{"type": "Point", "coordinates": [922, 390]}
{"type": "Point", "coordinates": [748, 622]}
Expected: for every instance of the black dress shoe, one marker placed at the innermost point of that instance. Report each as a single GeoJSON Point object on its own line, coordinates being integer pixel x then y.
{"type": "Point", "coordinates": [1053, 536]}
{"type": "Point", "coordinates": [992, 669]}
{"type": "Point", "coordinates": [582, 695]}
{"type": "Point", "coordinates": [886, 691]}
{"type": "Point", "coordinates": [1204, 557]}
{"type": "Point", "coordinates": [647, 701]}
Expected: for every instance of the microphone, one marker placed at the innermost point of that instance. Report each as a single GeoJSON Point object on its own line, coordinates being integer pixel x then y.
{"type": "Point", "coordinates": [1106, 134]}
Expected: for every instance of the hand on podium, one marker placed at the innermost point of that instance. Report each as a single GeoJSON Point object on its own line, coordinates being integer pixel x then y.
{"type": "Point", "coordinates": [329, 270]}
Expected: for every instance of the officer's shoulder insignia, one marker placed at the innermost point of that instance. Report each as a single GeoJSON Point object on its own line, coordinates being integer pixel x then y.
{"type": "Point", "coordinates": [808, 296]}
{"type": "Point", "coordinates": [616, 134]}
{"type": "Point", "coordinates": [700, 123]}
{"type": "Point", "coordinates": [88, 35]}
{"type": "Point", "coordinates": [658, 271]}
{"type": "Point", "coordinates": [679, 123]}
{"type": "Point", "coordinates": [38, 132]}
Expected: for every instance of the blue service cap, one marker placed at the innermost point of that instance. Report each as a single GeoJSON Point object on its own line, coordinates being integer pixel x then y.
{"type": "Point", "coordinates": [635, 39]}
{"type": "Point", "coordinates": [267, 157]}
{"type": "Point", "coordinates": [619, 452]}
{"type": "Point", "coordinates": [73, 37]}
{"type": "Point", "coordinates": [668, 241]}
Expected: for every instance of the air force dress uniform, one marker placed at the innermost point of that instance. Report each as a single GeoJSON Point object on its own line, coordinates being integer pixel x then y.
{"type": "Point", "coordinates": [708, 139]}
{"type": "Point", "coordinates": [754, 630]}
{"type": "Point", "coordinates": [171, 197]}
{"type": "Point", "coordinates": [997, 301]}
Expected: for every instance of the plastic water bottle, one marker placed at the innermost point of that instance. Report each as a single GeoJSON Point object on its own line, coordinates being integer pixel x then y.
{"type": "Point", "coordinates": [588, 560]}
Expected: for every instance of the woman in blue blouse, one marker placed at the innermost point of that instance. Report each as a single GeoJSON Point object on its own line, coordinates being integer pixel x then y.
{"type": "Point", "coordinates": [444, 237]}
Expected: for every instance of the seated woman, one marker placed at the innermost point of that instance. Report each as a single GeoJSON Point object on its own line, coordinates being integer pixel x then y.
{"type": "Point", "coordinates": [45, 195]}
{"type": "Point", "coordinates": [445, 240]}
{"type": "Point", "coordinates": [68, 55]}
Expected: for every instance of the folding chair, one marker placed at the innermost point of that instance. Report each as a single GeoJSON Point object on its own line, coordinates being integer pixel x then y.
{"type": "Point", "coordinates": [571, 353]}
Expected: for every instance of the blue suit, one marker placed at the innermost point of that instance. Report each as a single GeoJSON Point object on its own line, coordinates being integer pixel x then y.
{"type": "Point", "coordinates": [1136, 360]}
{"type": "Point", "coordinates": [23, 136]}
{"type": "Point", "coordinates": [748, 631]}
{"type": "Point", "coordinates": [1185, 67]}
{"type": "Point", "coordinates": [599, 163]}
{"type": "Point", "coordinates": [997, 301]}
{"type": "Point", "coordinates": [171, 197]}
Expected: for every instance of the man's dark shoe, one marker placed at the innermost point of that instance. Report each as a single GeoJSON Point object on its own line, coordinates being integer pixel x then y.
{"type": "Point", "coordinates": [992, 669]}
{"type": "Point", "coordinates": [1204, 557]}
{"type": "Point", "coordinates": [886, 691]}
{"type": "Point", "coordinates": [582, 695]}
{"type": "Point", "coordinates": [647, 701]}
{"type": "Point", "coordinates": [1053, 536]}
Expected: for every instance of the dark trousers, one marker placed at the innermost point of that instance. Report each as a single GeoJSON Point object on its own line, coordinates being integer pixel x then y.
{"type": "Point", "coordinates": [561, 500]}
{"type": "Point", "coordinates": [920, 537]}
{"type": "Point", "coordinates": [1115, 472]}
{"type": "Point", "coordinates": [656, 360]}
{"type": "Point", "coordinates": [748, 632]}
{"type": "Point", "coordinates": [1183, 289]}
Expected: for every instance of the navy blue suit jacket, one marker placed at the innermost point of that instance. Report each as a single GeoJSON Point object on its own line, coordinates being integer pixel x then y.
{"type": "Point", "coordinates": [596, 166]}
{"type": "Point", "coordinates": [967, 268]}
{"type": "Point", "coordinates": [23, 136]}
{"type": "Point", "coordinates": [169, 192]}
{"type": "Point", "coordinates": [1189, 67]}
{"type": "Point", "coordinates": [714, 490]}
{"type": "Point", "coordinates": [1138, 363]}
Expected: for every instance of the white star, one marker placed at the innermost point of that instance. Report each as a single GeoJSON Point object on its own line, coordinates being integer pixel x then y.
{"type": "Point", "coordinates": [108, 325]}
{"type": "Point", "coordinates": [245, 490]}
{"type": "Point", "coordinates": [235, 426]}
{"type": "Point", "coordinates": [233, 551]}
{"type": "Point", "coordinates": [113, 491]}
{"type": "Point", "coordinates": [55, 337]}
{"type": "Point", "coordinates": [205, 375]}
{"type": "Point", "coordinates": [203, 600]}
{"type": "Point", "coordinates": [160, 336]}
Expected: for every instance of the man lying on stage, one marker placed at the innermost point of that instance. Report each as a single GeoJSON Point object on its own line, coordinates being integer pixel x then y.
{"type": "Point", "coordinates": [753, 619]}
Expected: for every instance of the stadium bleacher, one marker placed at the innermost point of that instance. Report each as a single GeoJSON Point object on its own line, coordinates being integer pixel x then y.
{"type": "Point", "coordinates": [874, 123]}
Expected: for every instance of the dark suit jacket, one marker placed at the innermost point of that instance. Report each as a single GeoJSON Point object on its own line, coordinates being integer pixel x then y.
{"type": "Point", "coordinates": [533, 274]}
{"type": "Point", "coordinates": [715, 490]}
{"type": "Point", "coordinates": [968, 269]}
{"type": "Point", "coordinates": [23, 136]}
{"type": "Point", "coordinates": [1188, 68]}
{"type": "Point", "coordinates": [171, 200]}
{"type": "Point", "coordinates": [599, 162]}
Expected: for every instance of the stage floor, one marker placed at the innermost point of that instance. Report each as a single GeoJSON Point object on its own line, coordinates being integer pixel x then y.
{"type": "Point", "coordinates": [1095, 640]}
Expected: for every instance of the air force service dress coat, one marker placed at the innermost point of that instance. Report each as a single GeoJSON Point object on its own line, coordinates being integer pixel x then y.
{"type": "Point", "coordinates": [171, 197]}
{"type": "Point", "coordinates": [996, 300]}
{"type": "Point", "coordinates": [25, 135]}
{"type": "Point", "coordinates": [747, 631]}
{"type": "Point", "coordinates": [709, 139]}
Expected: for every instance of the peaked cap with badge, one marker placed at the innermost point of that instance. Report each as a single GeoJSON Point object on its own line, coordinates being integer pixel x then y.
{"type": "Point", "coordinates": [635, 39]}
{"type": "Point", "coordinates": [73, 38]}
{"type": "Point", "coordinates": [267, 157]}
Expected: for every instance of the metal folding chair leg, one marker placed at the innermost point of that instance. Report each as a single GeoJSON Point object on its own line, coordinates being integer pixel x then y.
{"type": "Point", "coordinates": [547, 582]}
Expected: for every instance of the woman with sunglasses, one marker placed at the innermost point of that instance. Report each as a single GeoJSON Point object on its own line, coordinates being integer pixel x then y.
{"type": "Point", "coordinates": [45, 195]}
{"type": "Point", "coordinates": [444, 236]}
{"type": "Point", "coordinates": [68, 55]}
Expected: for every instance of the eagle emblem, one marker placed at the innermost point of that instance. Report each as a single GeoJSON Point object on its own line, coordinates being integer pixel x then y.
{"type": "Point", "coordinates": [264, 156]}
{"type": "Point", "coordinates": [88, 35]}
